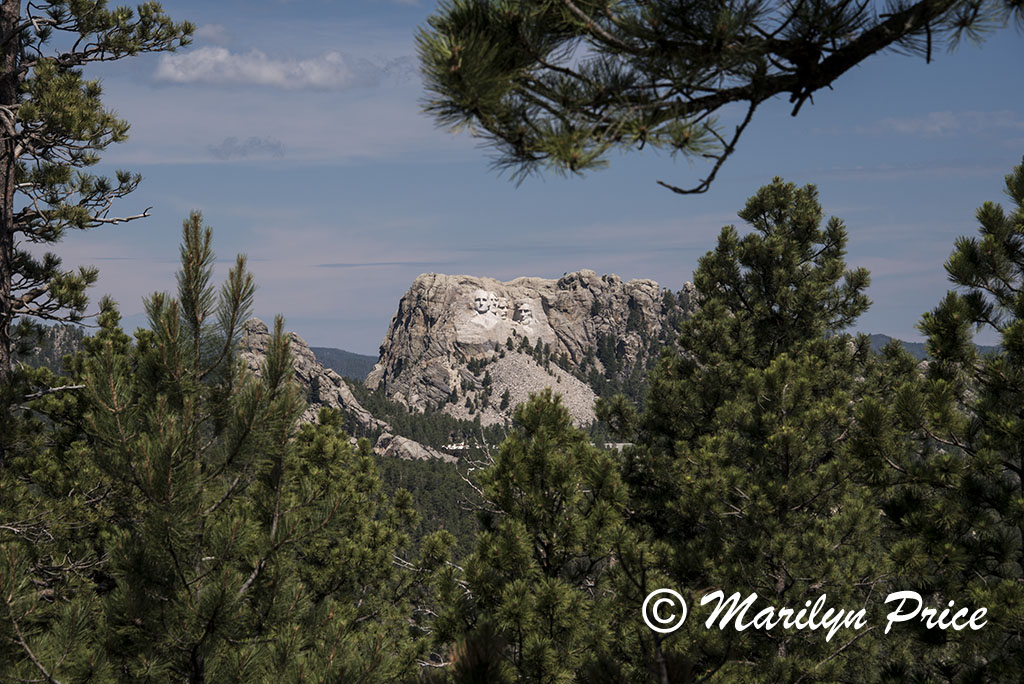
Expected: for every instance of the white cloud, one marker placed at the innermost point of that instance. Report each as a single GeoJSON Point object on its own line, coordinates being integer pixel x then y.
{"type": "Point", "coordinates": [218, 65]}
{"type": "Point", "coordinates": [329, 71]}
{"type": "Point", "coordinates": [233, 148]}
{"type": "Point", "coordinates": [936, 124]}
{"type": "Point", "coordinates": [304, 126]}
{"type": "Point", "coordinates": [213, 33]}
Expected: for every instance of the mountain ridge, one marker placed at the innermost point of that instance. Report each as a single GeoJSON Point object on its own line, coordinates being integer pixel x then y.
{"type": "Point", "coordinates": [345, 363]}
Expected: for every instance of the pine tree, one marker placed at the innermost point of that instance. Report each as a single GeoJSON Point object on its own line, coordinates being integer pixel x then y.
{"type": "Point", "coordinates": [744, 474]}
{"type": "Point", "coordinates": [957, 500]}
{"type": "Point", "coordinates": [54, 125]}
{"type": "Point", "coordinates": [54, 515]}
{"type": "Point", "coordinates": [560, 84]}
{"type": "Point", "coordinates": [537, 606]}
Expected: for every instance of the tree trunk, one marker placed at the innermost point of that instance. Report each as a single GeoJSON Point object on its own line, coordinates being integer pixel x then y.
{"type": "Point", "coordinates": [10, 16]}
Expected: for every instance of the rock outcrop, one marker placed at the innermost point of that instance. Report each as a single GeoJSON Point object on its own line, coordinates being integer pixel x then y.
{"type": "Point", "coordinates": [323, 387]}
{"type": "Point", "coordinates": [448, 327]}
{"type": "Point", "coordinates": [57, 341]}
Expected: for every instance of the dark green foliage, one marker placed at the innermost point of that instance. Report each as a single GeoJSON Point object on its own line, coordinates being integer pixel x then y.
{"type": "Point", "coordinates": [743, 470]}
{"type": "Point", "coordinates": [607, 354]}
{"type": "Point", "coordinates": [53, 505]}
{"type": "Point", "coordinates": [538, 582]}
{"type": "Point", "coordinates": [957, 472]}
{"type": "Point", "coordinates": [475, 365]}
{"type": "Point", "coordinates": [915, 349]}
{"type": "Point", "coordinates": [204, 538]}
{"type": "Point", "coordinates": [635, 320]}
{"type": "Point", "coordinates": [345, 363]}
{"type": "Point", "coordinates": [440, 498]}
{"type": "Point", "coordinates": [432, 428]}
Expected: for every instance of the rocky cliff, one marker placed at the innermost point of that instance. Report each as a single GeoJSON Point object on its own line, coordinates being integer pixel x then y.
{"type": "Point", "coordinates": [459, 342]}
{"type": "Point", "coordinates": [56, 341]}
{"type": "Point", "coordinates": [325, 388]}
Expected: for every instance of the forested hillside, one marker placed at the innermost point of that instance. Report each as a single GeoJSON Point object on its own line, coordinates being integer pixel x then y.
{"type": "Point", "coordinates": [344, 363]}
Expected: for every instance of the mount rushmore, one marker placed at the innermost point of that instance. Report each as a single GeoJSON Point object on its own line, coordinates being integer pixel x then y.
{"type": "Point", "coordinates": [492, 309]}
{"type": "Point", "coordinates": [448, 327]}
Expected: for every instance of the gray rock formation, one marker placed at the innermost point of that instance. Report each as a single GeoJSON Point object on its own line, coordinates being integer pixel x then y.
{"type": "Point", "coordinates": [405, 448]}
{"type": "Point", "coordinates": [57, 341]}
{"type": "Point", "coordinates": [323, 387]}
{"type": "Point", "coordinates": [445, 322]}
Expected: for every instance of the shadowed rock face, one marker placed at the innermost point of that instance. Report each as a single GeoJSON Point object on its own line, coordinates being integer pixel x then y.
{"type": "Point", "coordinates": [445, 321]}
{"type": "Point", "coordinates": [323, 387]}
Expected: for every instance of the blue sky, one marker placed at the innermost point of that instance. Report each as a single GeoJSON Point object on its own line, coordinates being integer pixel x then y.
{"type": "Point", "coordinates": [294, 126]}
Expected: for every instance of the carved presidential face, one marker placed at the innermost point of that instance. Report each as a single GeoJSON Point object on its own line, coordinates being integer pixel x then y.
{"type": "Point", "coordinates": [502, 308]}
{"type": "Point", "coordinates": [493, 299]}
{"type": "Point", "coordinates": [481, 301]}
{"type": "Point", "coordinates": [524, 312]}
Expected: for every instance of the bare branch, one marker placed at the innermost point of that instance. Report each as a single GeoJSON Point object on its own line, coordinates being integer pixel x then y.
{"type": "Point", "coordinates": [726, 153]}
{"type": "Point", "coordinates": [51, 390]}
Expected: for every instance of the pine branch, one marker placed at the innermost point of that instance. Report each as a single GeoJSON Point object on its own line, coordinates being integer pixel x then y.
{"type": "Point", "coordinates": [20, 640]}
{"type": "Point", "coordinates": [726, 153]}
{"type": "Point", "coordinates": [594, 28]}
{"type": "Point", "coordinates": [31, 22]}
{"type": "Point", "coordinates": [98, 220]}
{"type": "Point", "coordinates": [51, 390]}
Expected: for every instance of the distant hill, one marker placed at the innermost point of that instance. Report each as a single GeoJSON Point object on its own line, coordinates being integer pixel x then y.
{"type": "Point", "coordinates": [916, 349]}
{"type": "Point", "coordinates": [345, 363]}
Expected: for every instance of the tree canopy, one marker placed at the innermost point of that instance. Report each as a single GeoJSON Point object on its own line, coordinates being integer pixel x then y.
{"type": "Point", "coordinates": [559, 84]}
{"type": "Point", "coordinates": [52, 124]}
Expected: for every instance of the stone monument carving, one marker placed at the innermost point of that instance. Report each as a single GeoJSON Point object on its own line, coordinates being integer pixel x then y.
{"type": "Point", "coordinates": [485, 306]}
{"type": "Point", "coordinates": [524, 313]}
{"type": "Point", "coordinates": [481, 302]}
{"type": "Point", "coordinates": [503, 308]}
